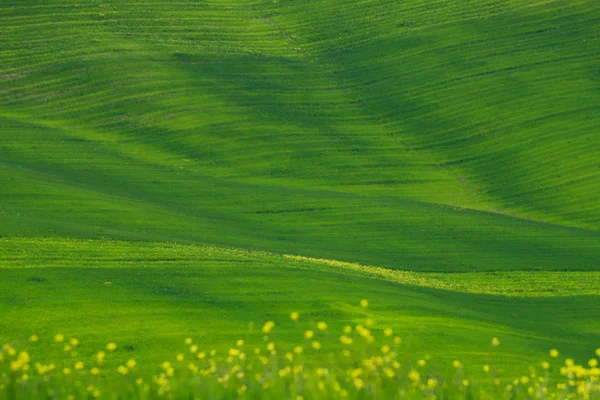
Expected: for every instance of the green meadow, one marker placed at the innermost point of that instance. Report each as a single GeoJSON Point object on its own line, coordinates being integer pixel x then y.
{"type": "Point", "coordinates": [194, 169]}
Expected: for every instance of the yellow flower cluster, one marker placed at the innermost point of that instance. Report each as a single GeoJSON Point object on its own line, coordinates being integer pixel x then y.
{"type": "Point", "coordinates": [368, 362]}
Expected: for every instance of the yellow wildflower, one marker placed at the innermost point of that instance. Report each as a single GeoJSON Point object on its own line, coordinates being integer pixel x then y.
{"type": "Point", "coordinates": [545, 364]}
{"type": "Point", "coordinates": [239, 343]}
{"type": "Point", "coordinates": [593, 363]}
{"type": "Point", "coordinates": [111, 346]}
{"type": "Point", "coordinates": [359, 383]}
{"type": "Point", "coordinates": [421, 363]}
{"type": "Point", "coordinates": [34, 338]}
{"type": "Point", "coordinates": [66, 371]}
{"type": "Point", "coordinates": [188, 341]}
{"type": "Point", "coordinates": [316, 345]}
{"type": "Point", "coordinates": [322, 326]}
{"type": "Point", "coordinates": [294, 316]}
{"type": "Point", "coordinates": [309, 334]}
{"type": "Point", "coordinates": [94, 371]}
{"type": "Point", "coordinates": [554, 353]}
{"type": "Point", "coordinates": [298, 349]}
{"type": "Point", "coordinates": [59, 338]}
{"type": "Point", "coordinates": [180, 357]}
{"type": "Point", "coordinates": [388, 332]}
{"type": "Point", "coordinates": [79, 365]}
{"type": "Point", "coordinates": [414, 376]}
{"type": "Point", "coordinates": [131, 364]}
{"type": "Point", "coordinates": [268, 327]}
{"type": "Point", "coordinates": [122, 370]}
{"type": "Point", "coordinates": [74, 342]}
{"type": "Point", "coordinates": [495, 342]}
{"type": "Point", "coordinates": [364, 303]}
{"type": "Point", "coordinates": [486, 368]}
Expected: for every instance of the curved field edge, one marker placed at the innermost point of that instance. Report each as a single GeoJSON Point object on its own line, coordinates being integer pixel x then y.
{"type": "Point", "coordinates": [149, 295]}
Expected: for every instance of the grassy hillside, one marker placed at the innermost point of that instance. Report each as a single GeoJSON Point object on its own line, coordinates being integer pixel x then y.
{"type": "Point", "coordinates": [223, 162]}
{"type": "Point", "coordinates": [151, 296]}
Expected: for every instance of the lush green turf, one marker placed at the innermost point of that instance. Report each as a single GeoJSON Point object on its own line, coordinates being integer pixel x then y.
{"type": "Point", "coordinates": [454, 140]}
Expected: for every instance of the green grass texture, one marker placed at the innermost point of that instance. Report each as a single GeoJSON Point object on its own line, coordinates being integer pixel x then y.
{"type": "Point", "coordinates": [441, 159]}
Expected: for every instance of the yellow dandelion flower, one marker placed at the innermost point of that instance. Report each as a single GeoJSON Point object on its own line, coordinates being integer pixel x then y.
{"type": "Point", "coordinates": [385, 349]}
{"type": "Point", "coordinates": [298, 350]}
{"type": "Point", "coordinates": [34, 338]}
{"type": "Point", "coordinates": [271, 346]}
{"type": "Point", "coordinates": [316, 345]}
{"type": "Point", "coordinates": [111, 346]}
{"type": "Point", "coordinates": [554, 353]}
{"type": "Point", "coordinates": [180, 357]}
{"type": "Point", "coordinates": [346, 340]}
{"type": "Point", "coordinates": [486, 368]}
{"type": "Point", "coordinates": [66, 371]}
{"type": "Point", "coordinates": [369, 322]}
{"type": "Point", "coordinates": [289, 356]}
{"type": "Point", "coordinates": [188, 341]}
{"type": "Point", "coordinates": [414, 376]}
{"type": "Point", "coordinates": [166, 365]}
{"type": "Point", "coordinates": [239, 343]}
{"type": "Point", "coordinates": [131, 364]}
{"type": "Point", "coordinates": [495, 342]}
{"type": "Point", "coordinates": [294, 316]}
{"type": "Point", "coordinates": [24, 357]}
{"type": "Point", "coordinates": [432, 383]}
{"type": "Point", "coordinates": [268, 327]}
{"type": "Point", "coordinates": [67, 347]}
{"type": "Point", "coordinates": [524, 380]}
{"type": "Point", "coordinates": [397, 340]}
{"type": "Point", "coordinates": [100, 356]}
{"type": "Point", "coordinates": [59, 338]}
{"type": "Point", "coordinates": [79, 365]}
{"type": "Point", "coordinates": [74, 342]}
{"type": "Point", "coordinates": [201, 355]}
{"type": "Point", "coordinates": [364, 303]}
{"type": "Point", "coordinates": [593, 363]}
{"type": "Point", "coordinates": [545, 364]}
{"type": "Point", "coordinates": [347, 329]}
{"type": "Point", "coordinates": [465, 382]}
{"type": "Point", "coordinates": [322, 326]}
{"type": "Point", "coordinates": [388, 332]}
{"type": "Point", "coordinates": [193, 349]}
{"type": "Point", "coordinates": [389, 372]}
{"type": "Point", "coordinates": [94, 371]}
{"type": "Point", "coordinates": [569, 362]}
{"type": "Point", "coordinates": [421, 363]}
{"type": "Point", "coordinates": [123, 370]}
{"type": "Point", "coordinates": [456, 364]}
{"type": "Point", "coordinates": [309, 334]}
{"type": "Point", "coordinates": [359, 383]}
{"type": "Point", "coordinates": [139, 381]}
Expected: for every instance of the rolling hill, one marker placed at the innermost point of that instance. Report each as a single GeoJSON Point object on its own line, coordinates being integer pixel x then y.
{"type": "Point", "coordinates": [179, 149]}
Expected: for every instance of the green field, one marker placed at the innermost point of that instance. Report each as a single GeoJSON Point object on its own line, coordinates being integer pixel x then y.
{"type": "Point", "coordinates": [187, 168]}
